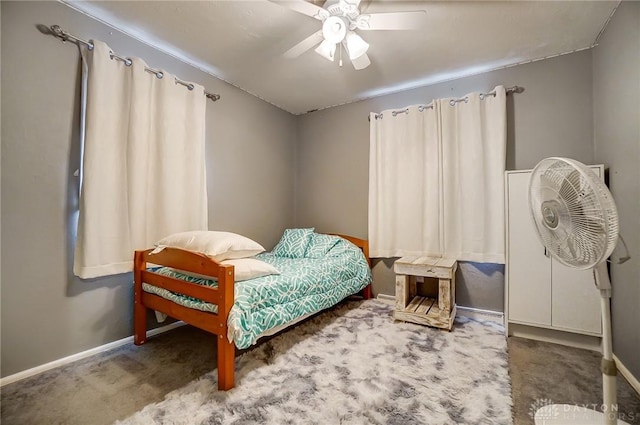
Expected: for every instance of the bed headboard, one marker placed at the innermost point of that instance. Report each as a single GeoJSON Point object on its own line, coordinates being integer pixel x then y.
{"type": "Point", "coordinates": [363, 244]}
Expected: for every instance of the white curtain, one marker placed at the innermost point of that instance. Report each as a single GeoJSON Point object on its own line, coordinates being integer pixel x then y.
{"type": "Point", "coordinates": [404, 183]}
{"type": "Point", "coordinates": [474, 141]}
{"type": "Point", "coordinates": [436, 184]}
{"type": "Point", "coordinates": [143, 168]}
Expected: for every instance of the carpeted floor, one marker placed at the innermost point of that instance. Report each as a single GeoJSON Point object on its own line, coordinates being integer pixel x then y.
{"type": "Point", "coordinates": [354, 365]}
{"type": "Point", "coordinates": [558, 374]}
{"type": "Point", "coordinates": [116, 384]}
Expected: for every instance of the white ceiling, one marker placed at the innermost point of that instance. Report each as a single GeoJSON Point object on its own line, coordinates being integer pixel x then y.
{"type": "Point", "coordinates": [242, 42]}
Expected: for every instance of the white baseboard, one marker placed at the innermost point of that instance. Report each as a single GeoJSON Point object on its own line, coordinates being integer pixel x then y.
{"type": "Point", "coordinates": [84, 354]}
{"type": "Point", "coordinates": [570, 339]}
{"type": "Point", "coordinates": [388, 299]}
{"type": "Point", "coordinates": [478, 313]}
{"type": "Point", "coordinates": [632, 380]}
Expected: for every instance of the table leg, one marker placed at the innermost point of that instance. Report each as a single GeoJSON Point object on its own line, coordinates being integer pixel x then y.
{"type": "Point", "coordinates": [402, 291]}
{"type": "Point", "coordinates": [444, 297]}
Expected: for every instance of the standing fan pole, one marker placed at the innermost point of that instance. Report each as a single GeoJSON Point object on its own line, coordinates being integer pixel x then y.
{"type": "Point", "coordinates": [565, 414]}
{"type": "Point", "coordinates": [608, 365]}
{"type": "Point", "coordinates": [577, 222]}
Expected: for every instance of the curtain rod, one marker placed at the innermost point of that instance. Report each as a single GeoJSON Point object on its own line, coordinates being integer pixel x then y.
{"type": "Point", "coordinates": [452, 102]}
{"type": "Point", "coordinates": [56, 31]}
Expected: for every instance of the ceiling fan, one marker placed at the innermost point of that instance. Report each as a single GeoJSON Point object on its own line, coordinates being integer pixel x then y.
{"type": "Point", "coordinates": [340, 20]}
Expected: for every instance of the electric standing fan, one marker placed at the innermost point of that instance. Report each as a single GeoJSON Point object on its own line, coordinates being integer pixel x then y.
{"type": "Point", "coordinates": [577, 221]}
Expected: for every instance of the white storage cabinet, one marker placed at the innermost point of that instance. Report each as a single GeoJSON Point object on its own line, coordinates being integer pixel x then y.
{"type": "Point", "coordinates": [540, 291]}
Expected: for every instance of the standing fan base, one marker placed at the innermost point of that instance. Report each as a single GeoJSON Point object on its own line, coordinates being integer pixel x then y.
{"type": "Point", "coordinates": [561, 414]}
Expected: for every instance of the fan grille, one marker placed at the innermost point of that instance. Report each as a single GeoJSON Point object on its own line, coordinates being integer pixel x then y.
{"type": "Point", "coordinates": [573, 212]}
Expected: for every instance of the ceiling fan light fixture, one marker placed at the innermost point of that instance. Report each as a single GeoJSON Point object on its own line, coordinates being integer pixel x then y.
{"type": "Point", "coordinates": [361, 62]}
{"type": "Point", "coordinates": [356, 45]}
{"type": "Point", "coordinates": [334, 29]}
{"type": "Point", "coordinates": [327, 50]}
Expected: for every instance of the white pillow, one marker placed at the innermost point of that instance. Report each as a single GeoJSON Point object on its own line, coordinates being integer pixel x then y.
{"type": "Point", "coordinates": [245, 269]}
{"type": "Point", "coordinates": [217, 245]}
{"type": "Point", "coordinates": [250, 268]}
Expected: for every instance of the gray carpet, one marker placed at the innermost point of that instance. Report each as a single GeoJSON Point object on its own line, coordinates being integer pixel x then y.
{"type": "Point", "coordinates": [355, 365]}
{"type": "Point", "coordinates": [559, 374]}
{"type": "Point", "coordinates": [110, 386]}
{"type": "Point", "coordinates": [116, 384]}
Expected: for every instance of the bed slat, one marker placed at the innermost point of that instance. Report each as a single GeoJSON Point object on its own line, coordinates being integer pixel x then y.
{"type": "Point", "coordinates": [201, 292]}
{"type": "Point", "coordinates": [201, 319]}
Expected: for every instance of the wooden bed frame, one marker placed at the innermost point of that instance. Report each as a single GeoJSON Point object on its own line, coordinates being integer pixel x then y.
{"type": "Point", "coordinates": [222, 296]}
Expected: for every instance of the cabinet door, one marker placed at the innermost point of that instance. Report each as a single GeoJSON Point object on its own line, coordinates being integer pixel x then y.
{"type": "Point", "coordinates": [529, 270]}
{"type": "Point", "coordinates": [575, 300]}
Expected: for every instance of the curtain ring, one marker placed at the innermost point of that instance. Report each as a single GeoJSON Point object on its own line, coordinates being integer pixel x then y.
{"type": "Point", "coordinates": [452, 102]}
{"type": "Point", "coordinates": [402, 111]}
{"type": "Point", "coordinates": [483, 96]}
{"type": "Point", "coordinates": [190, 86]}
{"type": "Point", "coordinates": [159, 74]}
{"type": "Point", "coordinates": [466, 99]}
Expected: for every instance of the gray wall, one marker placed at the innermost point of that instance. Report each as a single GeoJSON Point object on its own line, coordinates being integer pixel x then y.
{"type": "Point", "coordinates": [256, 170]}
{"type": "Point", "coordinates": [616, 112]}
{"type": "Point", "coordinates": [48, 314]}
{"type": "Point", "coordinates": [552, 117]}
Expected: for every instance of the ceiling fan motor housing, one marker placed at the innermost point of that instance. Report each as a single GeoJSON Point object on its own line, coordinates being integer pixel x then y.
{"type": "Point", "coordinates": [344, 8]}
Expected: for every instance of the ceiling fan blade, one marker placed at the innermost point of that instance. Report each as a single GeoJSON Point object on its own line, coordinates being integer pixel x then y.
{"type": "Point", "coordinates": [364, 5]}
{"type": "Point", "coordinates": [304, 45]}
{"type": "Point", "coordinates": [361, 62]}
{"type": "Point", "coordinates": [305, 8]}
{"type": "Point", "coordinates": [392, 20]}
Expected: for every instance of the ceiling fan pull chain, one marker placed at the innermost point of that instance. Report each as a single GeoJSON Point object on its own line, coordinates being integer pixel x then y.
{"type": "Point", "coordinates": [340, 62]}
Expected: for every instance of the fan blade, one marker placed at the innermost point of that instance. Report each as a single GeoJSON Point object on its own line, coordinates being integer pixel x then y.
{"type": "Point", "coordinates": [391, 20]}
{"type": "Point", "coordinates": [361, 62]}
{"type": "Point", "coordinates": [304, 45]}
{"type": "Point", "coordinates": [305, 8]}
{"type": "Point", "coordinates": [364, 5]}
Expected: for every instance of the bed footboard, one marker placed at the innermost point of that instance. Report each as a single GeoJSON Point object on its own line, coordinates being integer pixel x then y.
{"type": "Point", "coordinates": [222, 296]}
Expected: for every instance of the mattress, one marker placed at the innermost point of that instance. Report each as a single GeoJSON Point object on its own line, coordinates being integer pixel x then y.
{"type": "Point", "coordinates": [303, 287]}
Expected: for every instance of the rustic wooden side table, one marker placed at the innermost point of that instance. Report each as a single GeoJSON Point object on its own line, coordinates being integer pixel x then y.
{"type": "Point", "coordinates": [410, 307]}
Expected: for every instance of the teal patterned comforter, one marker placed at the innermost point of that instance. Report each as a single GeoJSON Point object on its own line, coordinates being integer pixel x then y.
{"type": "Point", "coordinates": [304, 286]}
